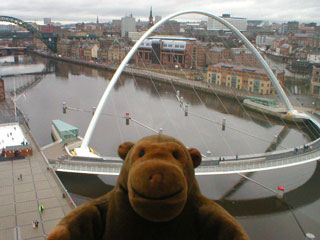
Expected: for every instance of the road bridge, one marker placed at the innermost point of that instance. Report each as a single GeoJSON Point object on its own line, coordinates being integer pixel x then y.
{"type": "Point", "coordinates": [49, 40]}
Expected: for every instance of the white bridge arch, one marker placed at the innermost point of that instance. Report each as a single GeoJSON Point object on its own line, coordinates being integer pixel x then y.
{"type": "Point", "coordinates": [84, 146]}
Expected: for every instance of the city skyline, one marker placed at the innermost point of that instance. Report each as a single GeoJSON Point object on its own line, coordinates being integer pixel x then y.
{"type": "Point", "coordinates": [87, 11]}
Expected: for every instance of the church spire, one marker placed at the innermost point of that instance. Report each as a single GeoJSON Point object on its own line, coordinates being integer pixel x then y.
{"type": "Point", "coordinates": [150, 18]}
{"type": "Point", "coordinates": [97, 20]}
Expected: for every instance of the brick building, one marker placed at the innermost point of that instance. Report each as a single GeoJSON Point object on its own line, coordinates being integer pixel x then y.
{"type": "Point", "coordinates": [242, 78]}
{"type": "Point", "coordinates": [2, 90]}
{"type": "Point", "coordinates": [171, 51]}
{"type": "Point", "coordinates": [243, 56]}
{"type": "Point", "coordinates": [315, 80]}
{"type": "Point", "coordinates": [217, 54]}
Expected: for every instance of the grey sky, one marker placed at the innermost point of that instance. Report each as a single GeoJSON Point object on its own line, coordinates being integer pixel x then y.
{"type": "Point", "coordinates": [87, 10]}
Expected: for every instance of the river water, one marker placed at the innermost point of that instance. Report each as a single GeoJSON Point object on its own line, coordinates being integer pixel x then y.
{"type": "Point", "coordinates": [154, 104]}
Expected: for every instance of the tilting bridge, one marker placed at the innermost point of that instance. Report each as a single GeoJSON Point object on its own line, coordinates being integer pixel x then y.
{"type": "Point", "coordinates": [60, 161]}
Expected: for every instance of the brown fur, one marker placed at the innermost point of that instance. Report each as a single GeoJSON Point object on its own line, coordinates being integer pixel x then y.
{"type": "Point", "coordinates": [156, 197]}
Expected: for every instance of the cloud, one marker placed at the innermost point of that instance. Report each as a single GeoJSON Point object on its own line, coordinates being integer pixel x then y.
{"type": "Point", "coordinates": [87, 10]}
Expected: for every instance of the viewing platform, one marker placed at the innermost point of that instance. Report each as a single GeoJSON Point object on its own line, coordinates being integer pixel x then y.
{"type": "Point", "coordinates": [26, 182]}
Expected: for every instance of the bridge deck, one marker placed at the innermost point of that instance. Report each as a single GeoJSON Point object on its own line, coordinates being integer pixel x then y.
{"type": "Point", "coordinates": [60, 161]}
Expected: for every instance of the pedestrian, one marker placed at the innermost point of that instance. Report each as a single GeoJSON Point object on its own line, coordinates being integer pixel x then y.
{"type": "Point", "coordinates": [41, 208]}
{"type": "Point", "coordinates": [33, 224]}
{"type": "Point", "coordinates": [36, 223]}
{"type": "Point", "coordinates": [21, 176]}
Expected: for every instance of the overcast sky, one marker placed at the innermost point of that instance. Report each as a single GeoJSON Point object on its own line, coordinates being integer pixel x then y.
{"type": "Point", "coordinates": [87, 10]}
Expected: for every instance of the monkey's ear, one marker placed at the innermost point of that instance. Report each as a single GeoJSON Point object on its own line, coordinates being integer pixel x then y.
{"type": "Point", "coordinates": [124, 148]}
{"type": "Point", "coordinates": [195, 156]}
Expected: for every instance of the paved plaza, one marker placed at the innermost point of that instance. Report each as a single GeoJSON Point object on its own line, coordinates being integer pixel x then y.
{"type": "Point", "coordinates": [20, 199]}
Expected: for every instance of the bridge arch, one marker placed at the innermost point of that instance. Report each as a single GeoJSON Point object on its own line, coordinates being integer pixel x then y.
{"type": "Point", "coordinates": [272, 77]}
{"type": "Point", "coordinates": [50, 42]}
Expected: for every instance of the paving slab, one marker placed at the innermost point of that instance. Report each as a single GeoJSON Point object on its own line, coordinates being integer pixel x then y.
{"type": "Point", "coordinates": [8, 234]}
{"type": "Point", "coordinates": [29, 232]}
{"type": "Point", "coordinates": [39, 177]}
{"type": "Point", "coordinates": [7, 210]}
{"type": "Point", "coordinates": [27, 218]}
{"type": "Point", "coordinates": [6, 199]}
{"type": "Point", "coordinates": [26, 187]}
{"type": "Point", "coordinates": [49, 202]}
{"type": "Point", "coordinates": [7, 222]}
{"type": "Point", "coordinates": [52, 213]}
{"type": "Point", "coordinates": [28, 206]}
{"type": "Point", "coordinates": [49, 225]}
{"type": "Point", "coordinates": [42, 185]}
{"type": "Point", "coordinates": [5, 190]}
{"type": "Point", "coordinates": [45, 193]}
{"type": "Point", "coordinates": [25, 179]}
{"type": "Point", "coordinates": [27, 196]}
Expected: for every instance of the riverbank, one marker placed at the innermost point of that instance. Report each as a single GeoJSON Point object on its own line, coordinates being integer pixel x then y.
{"type": "Point", "coordinates": [217, 90]}
{"type": "Point", "coordinates": [177, 81]}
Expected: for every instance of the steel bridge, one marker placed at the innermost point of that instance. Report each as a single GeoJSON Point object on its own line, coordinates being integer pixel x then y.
{"type": "Point", "coordinates": [49, 40]}
{"type": "Point", "coordinates": [85, 163]}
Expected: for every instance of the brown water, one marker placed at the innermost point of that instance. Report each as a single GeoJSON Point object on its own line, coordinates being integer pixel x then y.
{"type": "Point", "coordinates": [154, 104]}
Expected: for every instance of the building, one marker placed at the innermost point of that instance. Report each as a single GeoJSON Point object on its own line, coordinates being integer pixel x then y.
{"type": "Point", "coordinates": [217, 55]}
{"type": "Point", "coordinates": [239, 23]}
{"type": "Point", "coordinates": [116, 54]}
{"type": "Point", "coordinates": [135, 36]}
{"type": "Point", "coordinates": [315, 80]}
{"type": "Point", "coordinates": [171, 52]}
{"type": "Point", "coordinates": [302, 40]}
{"type": "Point", "coordinates": [47, 21]}
{"type": "Point", "coordinates": [2, 90]}
{"type": "Point", "coordinates": [13, 142]}
{"type": "Point", "coordinates": [244, 57]}
{"type": "Point", "coordinates": [242, 78]}
{"type": "Point", "coordinates": [293, 27]}
{"type": "Point", "coordinates": [90, 51]}
{"type": "Point", "coordinates": [150, 24]}
{"type": "Point", "coordinates": [264, 41]}
{"type": "Point", "coordinates": [157, 19]}
{"type": "Point", "coordinates": [170, 27]}
{"type": "Point", "coordinates": [128, 24]}
{"type": "Point", "coordinates": [314, 57]}
{"type": "Point", "coordinates": [64, 48]}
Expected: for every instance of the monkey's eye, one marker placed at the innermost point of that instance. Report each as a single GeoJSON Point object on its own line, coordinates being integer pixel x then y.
{"type": "Point", "coordinates": [175, 154]}
{"type": "Point", "coordinates": [141, 153]}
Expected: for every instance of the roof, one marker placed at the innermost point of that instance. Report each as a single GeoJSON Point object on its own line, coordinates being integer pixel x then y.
{"type": "Point", "coordinates": [285, 45]}
{"type": "Point", "coordinates": [217, 49]}
{"type": "Point", "coordinates": [173, 38]}
{"type": "Point", "coordinates": [63, 126]}
{"type": "Point", "coordinates": [18, 147]}
{"type": "Point", "coordinates": [241, 68]}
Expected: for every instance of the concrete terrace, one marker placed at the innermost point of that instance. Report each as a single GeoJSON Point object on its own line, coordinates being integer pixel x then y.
{"type": "Point", "coordinates": [20, 199]}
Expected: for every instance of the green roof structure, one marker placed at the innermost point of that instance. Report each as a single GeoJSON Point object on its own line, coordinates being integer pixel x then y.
{"type": "Point", "coordinates": [65, 130]}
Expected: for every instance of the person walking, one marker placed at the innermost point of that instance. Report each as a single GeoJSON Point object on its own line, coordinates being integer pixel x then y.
{"type": "Point", "coordinates": [41, 208]}
{"type": "Point", "coordinates": [36, 223]}
{"type": "Point", "coordinates": [33, 224]}
{"type": "Point", "coordinates": [21, 176]}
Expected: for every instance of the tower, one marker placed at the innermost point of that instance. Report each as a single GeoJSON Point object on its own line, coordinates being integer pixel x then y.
{"type": "Point", "coordinates": [150, 19]}
{"type": "Point", "coordinates": [97, 20]}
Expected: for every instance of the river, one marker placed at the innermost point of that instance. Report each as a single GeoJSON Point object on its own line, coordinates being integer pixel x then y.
{"type": "Point", "coordinates": [154, 104]}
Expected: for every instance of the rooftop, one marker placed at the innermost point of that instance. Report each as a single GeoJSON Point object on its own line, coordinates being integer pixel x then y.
{"type": "Point", "coordinates": [11, 135]}
{"type": "Point", "coordinates": [63, 126]}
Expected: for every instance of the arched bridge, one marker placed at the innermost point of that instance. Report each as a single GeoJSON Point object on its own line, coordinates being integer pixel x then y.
{"type": "Point", "coordinates": [49, 41]}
